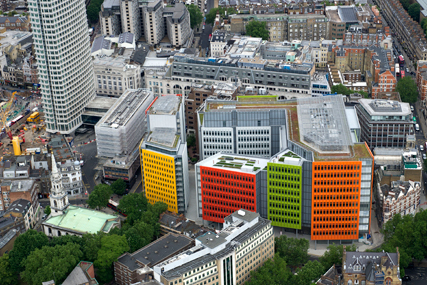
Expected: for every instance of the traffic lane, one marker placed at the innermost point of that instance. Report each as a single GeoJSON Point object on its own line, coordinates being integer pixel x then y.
{"type": "Point", "coordinates": [204, 37]}
{"type": "Point", "coordinates": [90, 163]}
{"type": "Point", "coordinates": [209, 5]}
{"type": "Point", "coordinates": [418, 276]}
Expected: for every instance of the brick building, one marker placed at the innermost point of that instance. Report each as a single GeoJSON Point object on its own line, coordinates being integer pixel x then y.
{"type": "Point", "coordinates": [15, 23]}
{"type": "Point", "coordinates": [421, 79]}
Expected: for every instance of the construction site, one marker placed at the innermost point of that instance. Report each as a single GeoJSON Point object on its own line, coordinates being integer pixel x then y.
{"type": "Point", "coordinates": [23, 128]}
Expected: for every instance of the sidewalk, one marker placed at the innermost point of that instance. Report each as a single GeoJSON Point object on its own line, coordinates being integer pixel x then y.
{"type": "Point", "coordinates": [420, 118]}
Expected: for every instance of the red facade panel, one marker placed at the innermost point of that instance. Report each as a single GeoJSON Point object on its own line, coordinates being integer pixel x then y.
{"type": "Point", "coordinates": [225, 191]}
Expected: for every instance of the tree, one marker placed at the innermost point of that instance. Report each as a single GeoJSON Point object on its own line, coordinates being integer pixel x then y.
{"type": "Point", "coordinates": [12, 13]}
{"type": "Point", "coordinates": [405, 4]}
{"type": "Point", "coordinates": [340, 89]}
{"type": "Point", "coordinates": [223, 13]}
{"type": "Point", "coordinates": [196, 16]}
{"type": "Point", "coordinates": [7, 276]}
{"type": "Point", "coordinates": [293, 250]}
{"type": "Point", "coordinates": [24, 245]}
{"type": "Point", "coordinates": [191, 139]}
{"type": "Point", "coordinates": [139, 235]}
{"type": "Point", "coordinates": [257, 29]}
{"type": "Point", "coordinates": [274, 271]}
{"type": "Point", "coordinates": [334, 255]}
{"type": "Point", "coordinates": [51, 263]}
{"type": "Point", "coordinates": [47, 210]}
{"type": "Point", "coordinates": [134, 205]}
{"type": "Point", "coordinates": [112, 246]}
{"type": "Point", "coordinates": [308, 274]}
{"type": "Point", "coordinates": [407, 88]}
{"type": "Point", "coordinates": [414, 11]}
{"type": "Point", "coordinates": [91, 245]}
{"type": "Point", "coordinates": [119, 187]}
{"type": "Point", "coordinates": [99, 196]}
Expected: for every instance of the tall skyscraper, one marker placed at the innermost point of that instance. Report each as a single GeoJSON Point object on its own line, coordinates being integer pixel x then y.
{"type": "Point", "coordinates": [65, 70]}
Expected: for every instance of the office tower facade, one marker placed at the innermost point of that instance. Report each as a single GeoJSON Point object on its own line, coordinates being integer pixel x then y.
{"type": "Point", "coordinates": [384, 123]}
{"type": "Point", "coordinates": [163, 154]}
{"type": "Point", "coordinates": [320, 184]}
{"type": "Point", "coordinates": [65, 69]}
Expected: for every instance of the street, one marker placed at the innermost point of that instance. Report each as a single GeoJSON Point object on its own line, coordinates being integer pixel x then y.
{"type": "Point", "coordinates": [418, 276]}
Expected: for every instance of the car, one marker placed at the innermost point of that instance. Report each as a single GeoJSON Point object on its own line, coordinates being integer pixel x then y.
{"type": "Point", "coordinates": [407, 70]}
{"type": "Point", "coordinates": [424, 156]}
{"type": "Point", "coordinates": [412, 108]}
{"type": "Point", "coordinates": [206, 10]}
{"type": "Point", "coordinates": [44, 216]}
{"type": "Point", "coordinates": [406, 278]}
{"type": "Point", "coordinates": [421, 148]}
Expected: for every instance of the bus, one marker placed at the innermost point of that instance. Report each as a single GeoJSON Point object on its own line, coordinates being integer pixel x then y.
{"type": "Point", "coordinates": [17, 119]}
{"type": "Point", "coordinates": [397, 69]}
{"type": "Point", "coordinates": [401, 59]}
{"type": "Point", "coordinates": [115, 207]}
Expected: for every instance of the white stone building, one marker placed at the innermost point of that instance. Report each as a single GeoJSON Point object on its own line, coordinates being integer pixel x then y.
{"type": "Point", "coordinates": [178, 24]}
{"type": "Point", "coordinates": [65, 69]}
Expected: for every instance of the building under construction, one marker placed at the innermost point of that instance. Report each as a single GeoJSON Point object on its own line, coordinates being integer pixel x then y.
{"type": "Point", "coordinates": [121, 129]}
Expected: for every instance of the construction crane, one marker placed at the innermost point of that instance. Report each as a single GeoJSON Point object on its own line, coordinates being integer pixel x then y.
{"type": "Point", "coordinates": [6, 114]}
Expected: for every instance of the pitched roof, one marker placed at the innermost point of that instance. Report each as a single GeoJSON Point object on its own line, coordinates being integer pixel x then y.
{"type": "Point", "coordinates": [76, 277]}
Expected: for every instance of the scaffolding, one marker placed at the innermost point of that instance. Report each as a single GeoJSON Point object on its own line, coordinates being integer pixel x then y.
{"type": "Point", "coordinates": [323, 124]}
{"type": "Point", "coordinates": [121, 129]}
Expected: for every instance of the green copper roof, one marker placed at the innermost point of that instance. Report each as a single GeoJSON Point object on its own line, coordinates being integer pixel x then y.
{"type": "Point", "coordinates": [84, 220]}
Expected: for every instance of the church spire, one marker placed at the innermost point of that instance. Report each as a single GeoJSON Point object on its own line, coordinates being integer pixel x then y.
{"type": "Point", "coordinates": [58, 198]}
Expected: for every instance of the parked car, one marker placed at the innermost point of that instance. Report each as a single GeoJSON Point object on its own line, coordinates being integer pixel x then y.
{"type": "Point", "coordinates": [406, 278]}
{"type": "Point", "coordinates": [424, 156]}
{"type": "Point", "coordinates": [421, 147]}
{"type": "Point", "coordinates": [412, 108]}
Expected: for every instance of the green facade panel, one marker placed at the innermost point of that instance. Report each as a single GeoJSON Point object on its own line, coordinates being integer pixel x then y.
{"type": "Point", "coordinates": [284, 195]}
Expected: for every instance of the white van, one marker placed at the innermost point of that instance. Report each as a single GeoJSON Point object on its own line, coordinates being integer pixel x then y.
{"type": "Point", "coordinates": [417, 127]}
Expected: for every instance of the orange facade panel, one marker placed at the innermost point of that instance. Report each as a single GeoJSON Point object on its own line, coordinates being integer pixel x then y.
{"type": "Point", "coordinates": [335, 200]}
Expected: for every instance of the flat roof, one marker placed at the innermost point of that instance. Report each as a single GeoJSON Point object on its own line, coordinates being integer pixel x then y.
{"type": "Point", "coordinates": [164, 136]}
{"type": "Point", "coordinates": [83, 220]}
{"type": "Point", "coordinates": [381, 107]}
{"type": "Point", "coordinates": [101, 102]}
{"type": "Point", "coordinates": [352, 120]}
{"type": "Point", "coordinates": [8, 237]}
{"type": "Point", "coordinates": [165, 105]}
{"type": "Point", "coordinates": [287, 157]}
{"type": "Point", "coordinates": [237, 163]}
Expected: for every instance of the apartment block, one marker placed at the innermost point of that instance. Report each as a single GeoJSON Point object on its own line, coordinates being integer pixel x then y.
{"type": "Point", "coordinates": [407, 31]}
{"type": "Point", "coordinates": [218, 42]}
{"type": "Point", "coordinates": [245, 243]}
{"type": "Point", "coordinates": [110, 18]}
{"type": "Point", "coordinates": [121, 129]}
{"type": "Point", "coordinates": [177, 24]}
{"type": "Point", "coordinates": [227, 127]}
{"type": "Point", "coordinates": [22, 208]}
{"type": "Point", "coordinates": [284, 27]}
{"type": "Point", "coordinates": [26, 189]}
{"type": "Point", "coordinates": [227, 183]}
{"type": "Point", "coordinates": [421, 79]}
{"type": "Point", "coordinates": [163, 154]}
{"type": "Point", "coordinates": [153, 22]}
{"type": "Point", "coordinates": [384, 123]}
{"type": "Point", "coordinates": [318, 182]}
{"type": "Point", "coordinates": [130, 17]}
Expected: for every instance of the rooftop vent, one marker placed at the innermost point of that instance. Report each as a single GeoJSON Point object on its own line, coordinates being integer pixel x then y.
{"type": "Point", "coordinates": [241, 213]}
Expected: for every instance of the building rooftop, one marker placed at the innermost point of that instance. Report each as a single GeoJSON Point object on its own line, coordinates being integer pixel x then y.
{"type": "Point", "coordinates": [165, 105]}
{"type": "Point", "coordinates": [156, 251]}
{"type": "Point", "coordinates": [22, 185]}
{"type": "Point", "coordinates": [125, 108]}
{"type": "Point", "coordinates": [235, 163]}
{"type": "Point", "coordinates": [101, 102]}
{"type": "Point", "coordinates": [8, 237]}
{"type": "Point", "coordinates": [399, 188]}
{"type": "Point", "coordinates": [347, 14]}
{"type": "Point", "coordinates": [126, 38]}
{"type": "Point", "coordinates": [287, 157]}
{"type": "Point", "coordinates": [20, 206]}
{"type": "Point", "coordinates": [379, 107]}
{"type": "Point", "coordinates": [84, 220]}
{"type": "Point", "coordinates": [323, 123]}
{"type": "Point", "coordinates": [164, 136]}
{"type": "Point", "coordinates": [363, 259]}
{"type": "Point", "coordinates": [15, 37]}
{"type": "Point", "coordinates": [76, 277]}
{"type": "Point", "coordinates": [181, 224]}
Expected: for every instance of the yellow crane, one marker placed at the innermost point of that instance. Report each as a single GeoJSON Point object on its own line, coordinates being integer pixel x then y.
{"type": "Point", "coordinates": [5, 114]}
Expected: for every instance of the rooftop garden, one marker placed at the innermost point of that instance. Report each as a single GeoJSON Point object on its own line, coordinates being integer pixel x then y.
{"type": "Point", "coordinates": [256, 98]}
{"type": "Point", "coordinates": [234, 162]}
{"type": "Point", "coordinates": [288, 154]}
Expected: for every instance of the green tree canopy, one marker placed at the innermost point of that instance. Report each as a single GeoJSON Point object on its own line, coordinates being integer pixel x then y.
{"type": "Point", "coordinates": [47, 210]}
{"type": "Point", "coordinates": [112, 246]}
{"type": "Point", "coordinates": [7, 275]}
{"type": "Point", "coordinates": [334, 255]}
{"type": "Point", "coordinates": [91, 245]}
{"type": "Point", "coordinates": [309, 273]}
{"type": "Point", "coordinates": [273, 271]}
{"type": "Point", "coordinates": [196, 16]}
{"type": "Point", "coordinates": [99, 196]}
{"type": "Point", "coordinates": [51, 263]}
{"type": "Point", "coordinates": [257, 29]}
{"type": "Point", "coordinates": [341, 89]}
{"type": "Point", "coordinates": [134, 205]}
{"type": "Point", "coordinates": [119, 187]}
{"type": "Point", "coordinates": [407, 89]}
{"type": "Point", "coordinates": [191, 139]}
{"type": "Point", "coordinates": [294, 251]}
{"type": "Point", "coordinates": [139, 235]}
{"type": "Point", "coordinates": [223, 12]}
{"type": "Point", "coordinates": [405, 4]}
{"type": "Point", "coordinates": [414, 11]}
{"type": "Point", "coordinates": [24, 245]}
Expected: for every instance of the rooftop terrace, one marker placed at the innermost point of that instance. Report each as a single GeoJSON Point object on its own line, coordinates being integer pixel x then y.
{"type": "Point", "coordinates": [235, 163]}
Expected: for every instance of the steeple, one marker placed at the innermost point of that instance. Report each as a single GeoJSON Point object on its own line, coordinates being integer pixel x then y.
{"type": "Point", "coordinates": [58, 197]}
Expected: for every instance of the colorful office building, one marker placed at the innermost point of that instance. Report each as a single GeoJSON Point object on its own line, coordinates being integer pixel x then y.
{"type": "Point", "coordinates": [228, 183]}
{"type": "Point", "coordinates": [163, 154]}
{"type": "Point", "coordinates": [319, 185]}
